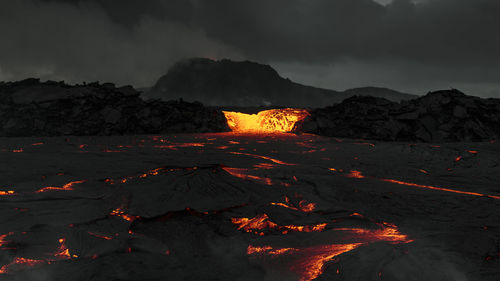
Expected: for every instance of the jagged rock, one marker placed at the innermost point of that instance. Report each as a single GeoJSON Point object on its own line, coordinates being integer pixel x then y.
{"type": "Point", "coordinates": [442, 116]}
{"type": "Point", "coordinates": [33, 108]}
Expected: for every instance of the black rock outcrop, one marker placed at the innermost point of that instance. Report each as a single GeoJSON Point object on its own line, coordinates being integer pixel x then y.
{"type": "Point", "coordinates": [441, 116]}
{"type": "Point", "coordinates": [32, 108]}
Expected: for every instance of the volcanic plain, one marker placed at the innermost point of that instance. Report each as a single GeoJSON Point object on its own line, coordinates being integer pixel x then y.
{"type": "Point", "coordinates": [229, 206]}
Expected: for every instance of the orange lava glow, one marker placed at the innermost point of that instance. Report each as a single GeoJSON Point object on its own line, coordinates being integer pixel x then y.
{"type": "Point", "coordinates": [63, 251]}
{"type": "Point", "coordinates": [358, 174]}
{"type": "Point", "coordinates": [355, 174]}
{"type": "Point", "coordinates": [261, 222]}
{"type": "Point", "coordinates": [242, 173]}
{"type": "Point", "coordinates": [100, 236]}
{"type": "Point", "coordinates": [19, 263]}
{"type": "Point", "coordinates": [2, 238]}
{"type": "Point", "coordinates": [8, 192]}
{"type": "Point", "coordinates": [268, 121]}
{"type": "Point", "coordinates": [68, 186]}
{"type": "Point", "coordinates": [121, 213]}
{"type": "Point", "coordinates": [302, 206]}
{"type": "Point", "coordinates": [154, 172]}
{"type": "Point", "coordinates": [264, 157]}
{"type": "Point", "coordinates": [308, 263]}
{"type": "Point", "coordinates": [439, 188]}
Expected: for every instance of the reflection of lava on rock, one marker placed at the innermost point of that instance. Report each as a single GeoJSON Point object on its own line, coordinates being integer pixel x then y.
{"type": "Point", "coordinates": [268, 121]}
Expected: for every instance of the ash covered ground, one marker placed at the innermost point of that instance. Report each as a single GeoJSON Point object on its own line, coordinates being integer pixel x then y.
{"type": "Point", "coordinates": [247, 207]}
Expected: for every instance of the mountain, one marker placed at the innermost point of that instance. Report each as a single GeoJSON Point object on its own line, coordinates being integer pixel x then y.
{"type": "Point", "coordinates": [229, 83]}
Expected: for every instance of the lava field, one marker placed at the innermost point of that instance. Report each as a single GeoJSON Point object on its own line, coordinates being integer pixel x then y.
{"type": "Point", "coordinates": [236, 206]}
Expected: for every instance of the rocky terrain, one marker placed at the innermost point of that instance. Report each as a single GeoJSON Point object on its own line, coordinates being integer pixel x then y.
{"type": "Point", "coordinates": [442, 116]}
{"type": "Point", "coordinates": [33, 108]}
{"type": "Point", "coordinates": [246, 83]}
{"type": "Point", "coordinates": [247, 207]}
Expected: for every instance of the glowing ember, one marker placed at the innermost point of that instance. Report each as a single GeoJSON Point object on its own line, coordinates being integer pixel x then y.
{"type": "Point", "coordinates": [264, 157]}
{"type": "Point", "coordinates": [121, 213]}
{"type": "Point", "coordinates": [243, 174]}
{"type": "Point", "coordinates": [9, 192]}
{"type": "Point", "coordinates": [154, 172]}
{"type": "Point", "coordinates": [68, 186]}
{"type": "Point", "coordinates": [261, 222]}
{"type": "Point", "coordinates": [63, 252]}
{"type": "Point", "coordinates": [439, 188]}
{"type": "Point", "coordinates": [100, 236]}
{"type": "Point", "coordinates": [2, 238]}
{"type": "Point", "coordinates": [268, 121]}
{"type": "Point", "coordinates": [302, 206]}
{"type": "Point", "coordinates": [308, 263]}
{"type": "Point", "coordinates": [355, 174]}
{"type": "Point", "coordinates": [20, 263]}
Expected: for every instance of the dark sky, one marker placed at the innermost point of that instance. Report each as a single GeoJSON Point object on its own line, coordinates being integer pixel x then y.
{"type": "Point", "coordinates": [413, 46]}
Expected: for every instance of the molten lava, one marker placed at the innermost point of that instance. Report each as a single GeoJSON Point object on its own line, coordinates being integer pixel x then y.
{"type": "Point", "coordinates": [67, 187]}
{"type": "Point", "coordinates": [302, 205]}
{"type": "Point", "coordinates": [268, 121]}
{"type": "Point", "coordinates": [308, 262]}
{"type": "Point", "coordinates": [261, 222]}
{"type": "Point", "coordinates": [242, 173]}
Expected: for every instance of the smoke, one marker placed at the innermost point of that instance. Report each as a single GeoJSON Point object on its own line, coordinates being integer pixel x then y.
{"type": "Point", "coordinates": [431, 43]}
{"type": "Point", "coordinates": [78, 43]}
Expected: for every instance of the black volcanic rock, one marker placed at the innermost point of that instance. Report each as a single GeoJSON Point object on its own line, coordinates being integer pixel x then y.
{"type": "Point", "coordinates": [32, 108]}
{"type": "Point", "coordinates": [247, 83]}
{"type": "Point", "coordinates": [441, 116]}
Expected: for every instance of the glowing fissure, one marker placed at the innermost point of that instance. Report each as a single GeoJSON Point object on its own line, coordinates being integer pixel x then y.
{"type": "Point", "coordinates": [263, 157]}
{"type": "Point", "coordinates": [303, 206]}
{"type": "Point", "coordinates": [242, 173]}
{"type": "Point", "coordinates": [8, 192]}
{"type": "Point", "coordinates": [358, 174]}
{"type": "Point", "coordinates": [268, 121]}
{"type": "Point", "coordinates": [261, 222]}
{"type": "Point", "coordinates": [308, 263]}
{"type": "Point", "coordinates": [66, 187]}
{"type": "Point", "coordinates": [154, 172]}
{"type": "Point", "coordinates": [20, 263]}
{"type": "Point", "coordinates": [119, 212]}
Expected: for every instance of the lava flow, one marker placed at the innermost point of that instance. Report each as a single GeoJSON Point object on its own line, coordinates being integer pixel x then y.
{"type": "Point", "coordinates": [302, 205]}
{"type": "Point", "coordinates": [19, 263]}
{"type": "Point", "coordinates": [261, 222]}
{"type": "Point", "coordinates": [308, 262]}
{"type": "Point", "coordinates": [268, 121]}
{"type": "Point", "coordinates": [359, 175]}
{"type": "Point", "coordinates": [66, 187]}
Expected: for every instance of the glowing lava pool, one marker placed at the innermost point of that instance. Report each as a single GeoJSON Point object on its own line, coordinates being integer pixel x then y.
{"type": "Point", "coordinates": [235, 206]}
{"type": "Point", "coordinates": [268, 121]}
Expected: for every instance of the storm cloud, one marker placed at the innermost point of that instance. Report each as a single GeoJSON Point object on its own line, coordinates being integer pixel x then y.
{"type": "Point", "coordinates": [412, 46]}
